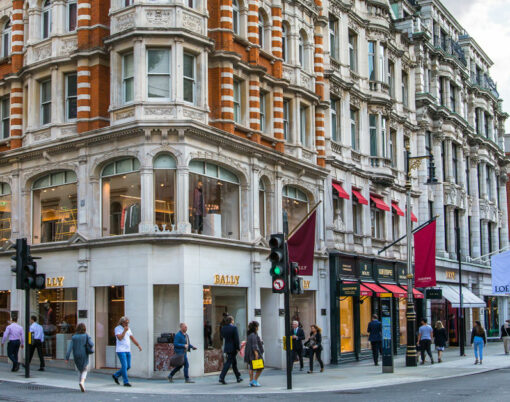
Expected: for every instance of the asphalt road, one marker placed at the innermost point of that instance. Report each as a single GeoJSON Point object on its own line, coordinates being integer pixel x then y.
{"type": "Point", "coordinates": [492, 386]}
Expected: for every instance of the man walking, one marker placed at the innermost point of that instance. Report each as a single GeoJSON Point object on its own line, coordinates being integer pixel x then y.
{"type": "Point", "coordinates": [505, 335]}
{"type": "Point", "coordinates": [182, 346]}
{"type": "Point", "coordinates": [37, 341]}
{"type": "Point", "coordinates": [298, 336]}
{"type": "Point", "coordinates": [425, 340]}
{"type": "Point", "coordinates": [231, 337]}
{"type": "Point", "coordinates": [123, 338]}
{"type": "Point", "coordinates": [375, 337]}
{"type": "Point", "coordinates": [15, 337]}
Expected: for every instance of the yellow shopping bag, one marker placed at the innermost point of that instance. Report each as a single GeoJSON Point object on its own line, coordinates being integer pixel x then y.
{"type": "Point", "coordinates": [257, 364]}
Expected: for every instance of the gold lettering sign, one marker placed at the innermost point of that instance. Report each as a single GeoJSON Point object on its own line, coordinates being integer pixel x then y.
{"type": "Point", "coordinates": [232, 280]}
{"type": "Point", "coordinates": [55, 282]}
{"type": "Point", "coordinates": [306, 284]}
{"type": "Point", "coordinates": [450, 274]}
{"type": "Point", "coordinates": [385, 272]}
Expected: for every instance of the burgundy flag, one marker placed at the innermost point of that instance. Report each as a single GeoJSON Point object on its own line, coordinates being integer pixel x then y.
{"type": "Point", "coordinates": [302, 245]}
{"type": "Point", "coordinates": [425, 256]}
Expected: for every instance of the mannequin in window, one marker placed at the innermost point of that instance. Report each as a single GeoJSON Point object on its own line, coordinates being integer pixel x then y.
{"type": "Point", "coordinates": [198, 208]}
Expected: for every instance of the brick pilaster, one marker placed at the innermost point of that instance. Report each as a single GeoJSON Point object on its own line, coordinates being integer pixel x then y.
{"type": "Point", "coordinates": [16, 114]}
{"type": "Point", "coordinates": [17, 35]}
{"type": "Point", "coordinates": [254, 106]}
{"type": "Point", "coordinates": [227, 97]}
{"type": "Point", "coordinates": [83, 96]}
{"type": "Point", "coordinates": [278, 117]}
{"type": "Point", "coordinates": [319, 90]}
{"type": "Point", "coordinates": [253, 31]}
{"type": "Point", "coordinates": [276, 41]}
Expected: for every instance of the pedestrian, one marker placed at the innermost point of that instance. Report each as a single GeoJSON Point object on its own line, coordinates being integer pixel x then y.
{"type": "Point", "coordinates": [82, 346]}
{"type": "Point", "coordinates": [315, 345]}
{"type": "Point", "coordinates": [254, 351]}
{"type": "Point", "coordinates": [230, 336]}
{"type": "Point", "coordinates": [298, 336]}
{"type": "Point", "coordinates": [16, 339]}
{"type": "Point", "coordinates": [375, 337]}
{"type": "Point", "coordinates": [182, 346]}
{"type": "Point", "coordinates": [425, 340]}
{"type": "Point", "coordinates": [505, 335]}
{"type": "Point", "coordinates": [440, 336]}
{"type": "Point", "coordinates": [478, 339]}
{"type": "Point", "coordinates": [37, 341]}
{"type": "Point", "coordinates": [123, 338]}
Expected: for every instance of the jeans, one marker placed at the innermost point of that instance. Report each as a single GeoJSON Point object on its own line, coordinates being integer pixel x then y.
{"type": "Point", "coordinates": [231, 361]}
{"type": "Point", "coordinates": [125, 365]}
{"type": "Point", "coordinates": [37, 344]}
{"type": "Point", "coordinates": [12, 352]}
{"type": "Point", "coordinates": [376, 349]}
{"type": "Point", "coordinates": [478, 346]}
{"type": "Point", "coordinates": [425, 347]}
{"type": "Point", "coordinates": [185, 365]}
{"type": "Point", "coordinates": [316, 352]}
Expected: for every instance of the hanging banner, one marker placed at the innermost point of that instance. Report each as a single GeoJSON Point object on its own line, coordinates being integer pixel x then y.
{"type": "Point", "coordinates": [301, 245]}
{"type": "Point", "coordinates": [500, 265]}
{"type": "Point", "coordinates": [425, 256]}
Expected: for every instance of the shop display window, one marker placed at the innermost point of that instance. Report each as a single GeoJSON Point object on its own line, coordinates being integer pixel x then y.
{"type": "Point", "coordinates": [58, 317]}
{"type": "Point", "coordinates": [164, 192]}
{"type": "Point", "coordinates": [302, 309]}
{"type": "Point", "coordinates": [402, 320]}
{"type": "Point", "coordinates": [346, 325]}
{"type": "Point", "coordinates": [492, 316]}
{"type": "Point", "coordinates": [5, 212]}
{"type": "Point", "coordinates": [365, 316]}
{"type": "Point", "coordinates": [213, 200]}
{"type": "Point", "coordinates": [55, 208]}
{"type": "Point", "coordinates": [295, 206]}
{"type": "Point", "coordinates": [121, 197]}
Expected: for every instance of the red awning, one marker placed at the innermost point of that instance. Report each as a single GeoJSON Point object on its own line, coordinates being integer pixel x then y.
{"type": "Point", "coordinates": [359, 197]}
{"type": "Point", "coordinates": [379, 203]}
{"type": "Point", "coordinates": [341, 192]}
{"type": "Point", "coordinates": [363, 290]}
{"type": "Point", "coordinates": [376, 288]}
{"type": "Point", "coordinates": [416, 293]}
{"type": "Point", "coordinates": [397, 292]}
{"type": "Point", "coordinates": [397, 209]}
{"type": "Point", "coordinates": [413, 217]}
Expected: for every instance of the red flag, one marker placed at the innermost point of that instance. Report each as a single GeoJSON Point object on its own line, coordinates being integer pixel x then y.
{"type": "Point", "coordinates": [302, 245]}
{"type": "Point", "coordinates": [425, 256]}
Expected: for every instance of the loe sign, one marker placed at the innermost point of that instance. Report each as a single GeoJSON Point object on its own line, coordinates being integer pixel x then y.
{"type": "Point", "coordinates": [501, 273]}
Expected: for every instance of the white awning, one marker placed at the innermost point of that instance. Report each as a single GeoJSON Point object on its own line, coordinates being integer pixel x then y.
{"type": "Point", "coordinates": [469, 299]}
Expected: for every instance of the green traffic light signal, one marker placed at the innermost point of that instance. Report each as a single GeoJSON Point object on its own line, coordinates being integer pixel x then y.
{"type": "Point", "coordinates": [277, 270]}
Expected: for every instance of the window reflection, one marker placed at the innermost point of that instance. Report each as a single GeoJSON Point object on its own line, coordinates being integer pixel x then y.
{"type": "Point", "coordinates": [295, 206]}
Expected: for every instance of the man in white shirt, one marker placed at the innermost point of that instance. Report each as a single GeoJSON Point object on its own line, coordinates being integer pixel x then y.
{"type": "Point", "coordinates": [123, 337]}
{"type": "Point", "coordinates": [37, 341]}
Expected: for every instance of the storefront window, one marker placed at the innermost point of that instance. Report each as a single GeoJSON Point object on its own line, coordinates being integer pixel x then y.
{"type": "Point", "coordinates": [58, 317]}
{"type": "Point", "coordinates": [109, 308]}
{"type": "Point", "coordinates": [54, 200]}
{"type": "Point", "coordinates": [5, 309]}
{"type": "Point", "coordinates": [492, 316]}
{"type": "Point", "coordinates": [213, 200]}
{"type": "Point", "coordinates": [220, 302]}
{"type": "Point", "coordinates": [264, 212]}
{"type": "Point", "coordinates": [365, 311]}
{"type": "Point", "coordinates": [402, 320]}
{"type": "Point", "coordinates": [302, 309]}
{"type": "Point", "coordinates": [121, 196]}
{"type": "Point", "coordinates": [164, 191]}
{"type": "Point", "coordinates": [346, 325]}
{"type": "Point", "coordinates": [5, 212]}
{"type": "Point", "coordinates": [295, 206]}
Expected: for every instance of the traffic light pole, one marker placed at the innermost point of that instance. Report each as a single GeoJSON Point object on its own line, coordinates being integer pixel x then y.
{"type": "Point", "coordinates": [286, 297]}
{"type": "Point", "coordinates": [28, 341]}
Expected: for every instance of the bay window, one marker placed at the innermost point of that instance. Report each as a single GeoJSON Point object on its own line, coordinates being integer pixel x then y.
{"type": "Point", "coordinates": [158, 74]}
{"type": "Point", "coordinates": [189, 70]}
{"type": "Point", "coordinates": [164, 192]}
{"type": "Point", "coordinates": [46, 20]}
{"type": "Point", "coordinates": [333, 37]}
{"type": "Point", "coordinates": [72, 12]}
{"type": "Point", "coordinates": [303, 125]}
{"type": "Point", "coordinates": [295, 206]}
{"type": "Point", "coordinates": [405, 89]}
{"type": "Point", "coordinates": [45, 102]}
{"type": "Point", "coordinates": [354, 129]}
{"type": "Point", "coordinates": [262, 111]}
{"type": "Point", "coordinates": [71, 96]}
{"type": "Point", "coordinates": [373, 134]}
{"type": "Point", "coordinates": [264, 211]}
{"type": "Point", "coordinates": [128, 79]}
{"type": "Point", "coordinates": [371, 60]}
{"type": "Point", "coordinates": [353, 51]}
{"type": "Point", "coordinates": [285, 41]}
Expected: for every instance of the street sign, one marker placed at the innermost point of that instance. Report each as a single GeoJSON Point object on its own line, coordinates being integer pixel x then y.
{"type": "Point", "coordinates": [434, 293]}
{"type": "Point", "coordinates": [278, 284]}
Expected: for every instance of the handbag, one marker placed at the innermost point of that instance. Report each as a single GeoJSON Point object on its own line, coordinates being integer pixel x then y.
{"type": "Point", "coordinates": [257, 364]}
{"type": "Point", "coordinates": [307, 352]}
{"type": "Point", "coordinates": [89, 349]}
{"type": "Point", "coordinates": [177, 360]}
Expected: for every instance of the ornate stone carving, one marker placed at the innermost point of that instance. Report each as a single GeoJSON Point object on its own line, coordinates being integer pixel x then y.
{"type": "Point", "coordinates": [42, 135]}
{"type": "Point", "coordinates": [68, 46]}
{"type": "Point", "coordinates": [287, 73]}
{"type": "Point", "coordinates": [159, 111]}
{"type": "Point", "coordinates": [125, 21]}
{"type": "Point", "coordinates": [125, 114]}
{"type": "Point", "coordinates": [305, 81]}
{"type": "Point", "coordinates": [42, 52]}
{"type": "Point", "coordinates": [193, 114]}
{"type": "Point", "coordinates": [158, 17]}
{"type": "Point", "coordinates": [192, 22]}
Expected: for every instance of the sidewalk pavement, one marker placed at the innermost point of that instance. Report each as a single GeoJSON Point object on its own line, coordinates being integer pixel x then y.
{"type": "Point", "coordinates": [351, 376]}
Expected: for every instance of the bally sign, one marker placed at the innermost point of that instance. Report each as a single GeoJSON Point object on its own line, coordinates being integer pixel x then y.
{"type": "Point", "coordinates": [57, 282]}
{"type": "Point", "coordinates": [501, 273]}
{"type": "Point", "coordinates": [232, 280]}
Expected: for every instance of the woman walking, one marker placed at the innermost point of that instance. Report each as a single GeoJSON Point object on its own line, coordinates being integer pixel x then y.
{"type": "Point", "coordinates": [440, 337]}
{"type": "Point", "coordinates": [314, 343]}
{"type": "Point", "coordinates": [81, 345]}
{"type": "Point", "coordinates": [478, 339]}
{"type": "Point", "coordinates": [254, 350]}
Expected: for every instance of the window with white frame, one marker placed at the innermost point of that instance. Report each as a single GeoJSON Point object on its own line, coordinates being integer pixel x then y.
{"type": "Point", "coordinates": [128, 79]}
{"type": "Point", "coordinates": [383, 137]}
{"type": "Point", "coordinates": [261, 23]}
{"type": "Point", "coordinates": [45, 100]}
{"type": "Point", "coordinates": [235, 16]}
{"type": "Point", "coordinates": [377, 222]}
{"type": "Point", "coordinates": [285, 40]}
{"type": "Point", "coordinates": [372, 119]}
{"type": "Point", "coordinates": [393, 148]}
{"type": "Point", "coordinates": [71, 96]}
{"type": "Point", "coordinates": [6, 116]}
{"type": "Point", "coordinates": [189, 72]}
{"type": "Point", "coordinates": [237, 101]}
{"type": "Point", "coordinates": [295, 205]}
{"type": "Point", "coordinates": [286, 116]}
{"type": "Point", "coordinates": [357, 217]}
{"type": "Point", "coordinates": [391, 78]}
{"type": "Point", "coordinates": [72, 12]}
{"type": "Point", "coordinates": [353, 51]}
{"type": "Point", "coordinates": [354, 129]}
{"type": "Point", "coordinates": [158, 73]}
{"type": "Point", "coordinates": [333, 37]}
{"type": "Point", "coordinates": [262, 110]}
{"type": "Point", "coordinates": [371, 60]}
{"type": "Point", "coordinates": [6, 39]}
{"type": "Point", "coordinates": [405, 89]}
{"type": "Point", "coordinates": [303, 125]}
{"type": "Point", "coordinates": [46, 20]}
{"type": "Point", "coordinates": [335, 121]}
{"type": "Point", "coordinates": [381, 74]}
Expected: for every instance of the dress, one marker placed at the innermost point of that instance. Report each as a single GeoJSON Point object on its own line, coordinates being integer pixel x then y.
{"type": "Point", "coordinates": [253, 343]}
{"type": "Point", "coordinates": [77, 346]}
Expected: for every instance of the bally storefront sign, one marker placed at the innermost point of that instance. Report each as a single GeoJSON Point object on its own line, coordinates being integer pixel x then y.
{"type": "Point", "coordinates": [55, 282]}
{"type": "Point", "coordinates": [231, 280]}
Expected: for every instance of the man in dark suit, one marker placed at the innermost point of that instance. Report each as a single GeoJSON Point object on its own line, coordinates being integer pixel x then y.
{"type": "Point", "coordinates": [375, 337]}
{"type": "Point", "coordinates": [231, 338]}
{"type": "Point", "coordinates": [298, 336]}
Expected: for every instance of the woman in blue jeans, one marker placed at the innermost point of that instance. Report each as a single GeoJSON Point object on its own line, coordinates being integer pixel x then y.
{"type": "Point", "coordinates": [478, 339]}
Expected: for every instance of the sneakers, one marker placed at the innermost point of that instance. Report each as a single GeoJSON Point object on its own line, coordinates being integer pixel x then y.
{"type": "Point", "coordinates": [256, 384]}
{"type": "Point", "coordinates": [115, 379]}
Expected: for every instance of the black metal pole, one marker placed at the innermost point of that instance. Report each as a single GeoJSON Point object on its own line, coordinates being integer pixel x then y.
{"type": "Point", "coordinates": [27, 332]}
{"type": "Point", "coordinates": [462, 329]}
{"type": "Point", "coordinates": [286, 296]}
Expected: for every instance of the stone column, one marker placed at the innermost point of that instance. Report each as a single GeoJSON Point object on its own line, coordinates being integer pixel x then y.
{"type": "Point", "coordinates": [58, 17]}
{"type": "Point", "coordinates": [139, 68]}
{"type": "Point", "coordinates": [183, 224]}
{"type": "Point", "coordinates": [475, 207]}
{"type": "Point", "coordinates": [503, 207]}
{"type": "Point", "coordinates": [56, 95]}
{"type": "Point", "coordinates": [439, 194]}
{"type": "Point", "coordinates": [147, 202]}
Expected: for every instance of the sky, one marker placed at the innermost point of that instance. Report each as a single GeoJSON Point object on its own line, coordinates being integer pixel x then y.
{"type": "Point", "coordinates": [488, 22]}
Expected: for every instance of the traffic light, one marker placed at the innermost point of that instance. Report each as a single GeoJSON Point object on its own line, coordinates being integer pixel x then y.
{"type": "Point", "coordinates": [26, 268]}
{"type": "Point", "coordinates": [296, 281]}
{"type": "Point", "coordinates": [278, 263]}
{"type": "Point", "coordinates": [20, 258]}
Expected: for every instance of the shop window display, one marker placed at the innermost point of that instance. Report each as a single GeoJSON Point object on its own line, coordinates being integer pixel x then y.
{"type": "Point", "coordinates": [346, 325]}
{"type": "Point", "coordinates": [55, 209]}
{"type": "Point", "coordinates": [164, 192]}
{"type": "Point", "coordinates": [5, 309]}
{"type": "Point", "coordinates": [365, 311]}
{"type": "Point", "coordinates": [302, 309]}
{"type": "Point", "coordinates": [121, 196]}
{"type": "Point", "coordinates": [5, 212]}
{"type": "Point", "coordinates": [492, 316]}
{"type": "Point", "coordinates": [295, 206]}
{"type": "Point", "coordinates": [214, 200]}
{"type": "Point", "coordinates": [402, 320]}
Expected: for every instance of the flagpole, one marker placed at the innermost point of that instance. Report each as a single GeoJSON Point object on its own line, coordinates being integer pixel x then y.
{"type": "Point", "coordinates": [303, 220]}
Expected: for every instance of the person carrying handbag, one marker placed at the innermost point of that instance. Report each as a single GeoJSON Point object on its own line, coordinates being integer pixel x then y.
{"type": "Point", "coordinates": [314, 344]}
{"type": "Point", "coordinates": [182, 346]}
{"type": "Point", "coordinates": [82, 346]}
{"type": "Point", "coordinates": [254, 351]}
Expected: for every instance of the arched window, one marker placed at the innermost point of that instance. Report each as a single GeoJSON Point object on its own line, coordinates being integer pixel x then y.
{"type": "Point", "coordinates": [261, 24]}
{"type": "Point", "coordinates": [264, 210]}
{"type": "Point", "coordinates": [235, 16]}
{"type": "Point", "coordinates": [46, 20]}
{"type": "Point", "coordinates": [214, 200]}
{"type": "Point", "coordinates": [5, 212]}
{"type": "Point", "coordinates": [6, 39]}
{"type": "Point", "coordinates": [121, 197]}
{"type": "Point", "coordinates": [295, 206]}
{"type": "Point", "coordinates": [164, 191]}
{"type": "Point", "coordinates": [285, 41]}
{"type": "Point", "coordinates": [55, 207]}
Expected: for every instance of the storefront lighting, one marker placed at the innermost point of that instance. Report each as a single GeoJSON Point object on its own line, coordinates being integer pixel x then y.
{"type": "Point", "coordinates": [162, 185]}
{"type": "Point", "coordinates": [124, 176]}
